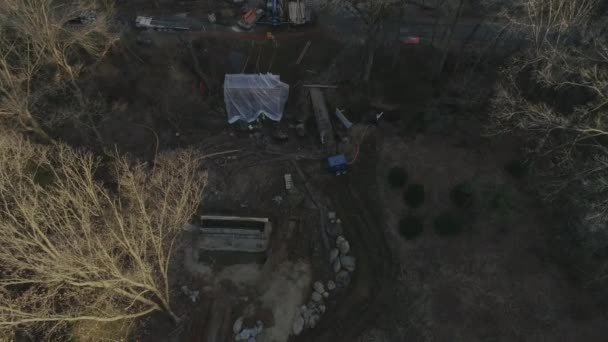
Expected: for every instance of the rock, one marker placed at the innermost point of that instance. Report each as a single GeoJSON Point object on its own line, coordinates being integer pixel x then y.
{"type": "Point", "coordinates": [317, 297]}
{"type": "Point", "coordinates": [339, 240]}
{"type": "Point", "coordinates": [243, 335]}
{"type": "Point", "coordinates": [342, 278]}
{"type": "Point", "coordinates": [322, 308]}
{"type": "Point", "coordinates": [344, 247]}
{"type": "Point", "coordinates": [337, 265]}
{"type": "Point", "coordinates": [298, 325]}
{"type": "Point", "coordinates": [318, 286]}
{"type": "Point", "coordinates": [301, 130]}
{"type": "Point", "coordinates": [247, 334]}
{"type": "Point", "coordinates": [259, 326]}
{"type": "Point", "coordinates": [331, 216]}
{"type": "Point", "coordinates": [331, 285]}
{"type": "Point", "coordinates": [306, 315]}
{"type": "Point", "coordinates": [334, 229]}
{"type": "Point", "coordinates": [192, 294]}
{"type": "Point", "coordinates": [238, 325]}
{"type": "Point", "coordinates": [333, 254]}
{"type": "Point", "coordinates": [314, 319]}
{"type": "Point", "coordinates": [303, 308]}
{"type": "Point", "coordinates": [325, 294]}
{"type": "Point", "coordinates": [348, 262]}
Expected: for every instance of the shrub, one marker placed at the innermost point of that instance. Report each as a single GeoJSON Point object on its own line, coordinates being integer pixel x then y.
{"type": "Point", "coordinates": [411, 226]}
{"type": "Point", "coordinates": [517, 169]}
{"type": "Point", "coordinates": [463, 195]}
{"type": "Point", "coordinates": [397, 177]}
{"type": "Point", "coordinates": [449, 223]}
{"type": "Point", "coordinates": [414, 195]}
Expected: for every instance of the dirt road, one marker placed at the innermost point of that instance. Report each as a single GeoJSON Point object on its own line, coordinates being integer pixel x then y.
{"type": "Point", "coordinates": [354, 198]}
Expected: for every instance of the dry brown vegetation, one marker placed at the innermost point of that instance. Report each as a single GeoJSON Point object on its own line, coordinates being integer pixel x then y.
{"type": "Point", "coordinates": [555, 93]}
{"type": "Point", "coordinates": [43, 52]}
{"type": "Point", "coordinates": [75, 249]}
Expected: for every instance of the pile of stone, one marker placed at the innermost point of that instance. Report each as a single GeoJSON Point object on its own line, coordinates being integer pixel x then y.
{"type": "Point", "coordinates": [334, 228]}
{"type": "Point", "coordinates": [342, 263]}
{"type": "Point", "coordinates": [242, 333]}
{"type": "Point", "coordinates": [310, 314]}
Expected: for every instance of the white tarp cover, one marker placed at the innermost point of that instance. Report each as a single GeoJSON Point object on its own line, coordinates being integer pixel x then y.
{"type": "Point", "coordinates": [248, 96]}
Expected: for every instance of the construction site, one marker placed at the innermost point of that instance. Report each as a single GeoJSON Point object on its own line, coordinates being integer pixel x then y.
{"type": "Point", "coordinates": [351, 190]}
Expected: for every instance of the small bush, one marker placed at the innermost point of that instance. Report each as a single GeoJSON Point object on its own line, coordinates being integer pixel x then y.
{"type": "Point", "coordinates": [414, 195]}
{"type": "Point", "coordinates": [463, 195]}
{"type": "Point", "coordinates": [411, 226]}
{"type": "Point", "coordinates": [517, 169]}
{"type": "Point", "coordinates": [397, 177]}
{"type": "Point", "coordinates": [449, 223]}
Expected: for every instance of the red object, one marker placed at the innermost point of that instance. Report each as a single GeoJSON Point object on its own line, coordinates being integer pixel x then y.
{"type": "Point", "coordinates": [411, 40]}
{"type": "Point", "coordinates": [250, 17]}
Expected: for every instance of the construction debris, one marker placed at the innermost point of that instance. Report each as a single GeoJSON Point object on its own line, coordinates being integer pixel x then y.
{"type": "Point", "coordinates": [331, 285]}
{"type": "Point", "coordinates": [247, 334]}
{"type": "Point", "coordinates": [319, 86]}
{"type": "Point", "coordinates": [192, 294]}
{"type": "Point", "coordinates": [321, 115]}
{"type": "Point", "coordinates": [289, 183]}
{"type": "Point", "coordinates": [297, 13]}
{"type": "Point", "coordinates": [249, 96]}
{"type": "Point", "coordinates": [303, 53]}
{"type": "Point", "coordinates": [347, 124]}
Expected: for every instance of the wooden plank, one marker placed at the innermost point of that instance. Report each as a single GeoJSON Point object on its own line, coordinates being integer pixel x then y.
{"type": "Point", "coordinates": [304, 50]}
{"type": "Point", "coordinates": [319, 86]}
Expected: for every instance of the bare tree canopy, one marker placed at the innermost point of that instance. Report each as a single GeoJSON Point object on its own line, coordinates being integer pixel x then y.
{"type": "Point", "coordinates": [555, 93]}
{"type": "Point", "coordinates": [42, 45]}
{"type": "Point", "coordinates": [73, 248]}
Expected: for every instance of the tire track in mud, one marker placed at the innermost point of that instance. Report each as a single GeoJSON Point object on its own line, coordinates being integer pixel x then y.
{"type": "Point", "coordinates": [355, 199]}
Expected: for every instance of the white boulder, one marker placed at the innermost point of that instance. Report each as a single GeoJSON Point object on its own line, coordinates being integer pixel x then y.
{"type": "Point", "coordinates": [339, 240]}
{"type": "Point", "coordinates": [298, 325]}
{"type": "Point", "coordinates": [238, 325]}
{"type": "Point", "coordinates": [333, 255]}
{"type": "Point", "coordinates": [348, 262]}
{"type": "Point", "coordinates": [344, 247]}
{"type": "Point", "coordinates": [318, 286]}
{"type": "Point", "coordinates": [342, 278]}
{"type": "Point", "coordinates": [337, 265]}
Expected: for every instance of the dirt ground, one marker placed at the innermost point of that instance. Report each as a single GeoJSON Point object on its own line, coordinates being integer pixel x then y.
{"type": "Point", "coordinates": [495, 281]}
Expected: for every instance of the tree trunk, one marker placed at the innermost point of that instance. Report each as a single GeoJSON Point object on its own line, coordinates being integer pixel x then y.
{"type": "Point", "coordinates": [29, 123]}
{"type": "Point", "coordinates": [446, 46]}
{"type": "Point", "coordinates": [397, 47]}
{"type": "Point", "coordinates": [369, 62]}
{"type": "Point", "coordinates": [371, 41]}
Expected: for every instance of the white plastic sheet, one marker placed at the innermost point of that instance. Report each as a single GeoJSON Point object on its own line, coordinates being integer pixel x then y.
{"type": "Point", "coordinates": [248, 96]}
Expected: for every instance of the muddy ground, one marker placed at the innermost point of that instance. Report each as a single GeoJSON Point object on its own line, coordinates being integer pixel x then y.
{"type": "Point", "coordinates": [496, 281]}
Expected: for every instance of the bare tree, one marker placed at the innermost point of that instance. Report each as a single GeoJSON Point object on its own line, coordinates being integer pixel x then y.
{"type": "Point", "coordinates": [17, 69]}
{"type": "Point", "coordinates": [372, 14]}
{"type": "Point", "coordinates": [555, 94]}
{"type": "Point", "coordinates": [50, 29]}
{"type": "Point", "coordinates": [37, 36]}
{"type": "Point", "coordinates": [73, 248]}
